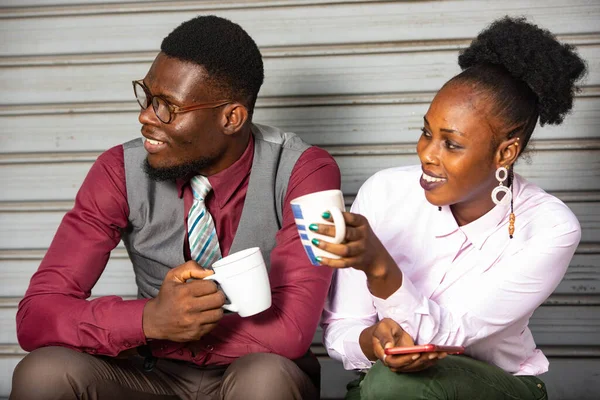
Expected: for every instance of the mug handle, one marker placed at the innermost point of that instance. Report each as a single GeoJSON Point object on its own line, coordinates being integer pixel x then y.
{"type": "Point", "coordinates": [340, 225]}
{"type": "Point", "coordinates": [231, 307]}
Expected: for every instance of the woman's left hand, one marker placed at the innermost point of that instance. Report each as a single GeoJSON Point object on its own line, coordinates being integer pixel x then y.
{"type": "Point", "coordinates": [361, 248]}
{"type": "Point", "coordinates": [388, 333]}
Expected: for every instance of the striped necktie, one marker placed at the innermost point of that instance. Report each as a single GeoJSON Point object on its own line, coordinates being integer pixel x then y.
{"type": "Point", "coordinates": [204, 243]}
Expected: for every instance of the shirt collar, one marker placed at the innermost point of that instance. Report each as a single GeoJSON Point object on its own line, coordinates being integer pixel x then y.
{"type": "Point", "coordinates": [225, 183]}
{"type": "Point", "coordinates": [445, 222]}
{"type": "Point", "coordinates": [482, 228]}
{"type": "Point", "coordinates": [479, 230]}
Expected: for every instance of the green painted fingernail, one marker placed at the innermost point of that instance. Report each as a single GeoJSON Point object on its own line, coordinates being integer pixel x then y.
{"type": "Point", "coordinates": [315, 241]}
{"type": "Point", "coordinates": [319, 259]}
{"type": "Point", "coordinates": [326, 215]}
{"type": "Point", "coordinates": [313, 227]}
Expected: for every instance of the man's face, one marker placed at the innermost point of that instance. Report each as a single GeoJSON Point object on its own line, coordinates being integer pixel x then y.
{"type": "Point", "coordinates": [193, 141]}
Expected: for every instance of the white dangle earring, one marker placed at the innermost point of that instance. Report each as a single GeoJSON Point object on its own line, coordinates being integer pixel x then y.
{"type": "Point", "coordinates": [501, 175]}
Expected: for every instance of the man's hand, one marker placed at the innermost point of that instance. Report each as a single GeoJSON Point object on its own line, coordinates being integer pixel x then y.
{"type": "Point", "coordinates": [184, 311]}
{"type": "Point", "coordinates": [388, 333]}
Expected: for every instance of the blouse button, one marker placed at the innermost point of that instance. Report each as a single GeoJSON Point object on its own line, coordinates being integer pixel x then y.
{"type": "Point", "coordinates": [210, 347]}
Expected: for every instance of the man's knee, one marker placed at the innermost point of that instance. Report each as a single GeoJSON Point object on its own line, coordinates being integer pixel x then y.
{"type": "Point", "coordinates": [48, 373]}
{"type": "Point", "coordinates": [382, 384]}
{"type": "Point", "coordinates": [266, 376]}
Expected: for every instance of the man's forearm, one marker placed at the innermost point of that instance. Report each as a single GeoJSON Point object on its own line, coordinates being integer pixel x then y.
{"type": "Point", "coordinates": [107, 325]}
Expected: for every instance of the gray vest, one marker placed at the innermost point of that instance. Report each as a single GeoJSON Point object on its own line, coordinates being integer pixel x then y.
{"type": "Point", "coordinates": [155, 236]}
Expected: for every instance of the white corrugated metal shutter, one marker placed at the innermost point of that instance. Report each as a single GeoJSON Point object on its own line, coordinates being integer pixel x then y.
{"type": "Point", "coordinates": [354, 77]}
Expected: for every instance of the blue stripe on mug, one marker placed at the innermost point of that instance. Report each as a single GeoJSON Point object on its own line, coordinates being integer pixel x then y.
{"type": "Point", "coordinates": [297, 210]}
{"type": "Point", "coordinates": [311, 255]}
{"type": "Point", "coordinates": [303, 236]}
{"type": "Point", "coordinates": [301, 227]}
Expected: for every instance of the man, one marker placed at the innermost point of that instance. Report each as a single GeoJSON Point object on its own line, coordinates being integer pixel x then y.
{"type": "Point", "coordinates": [201, 156]}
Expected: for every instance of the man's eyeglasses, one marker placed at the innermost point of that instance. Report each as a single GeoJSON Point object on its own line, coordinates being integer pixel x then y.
{"type": "Point", "coordinates": [162, 108]}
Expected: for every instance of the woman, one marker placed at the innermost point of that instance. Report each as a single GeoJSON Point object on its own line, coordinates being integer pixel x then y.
{"type": "Point", "coordinates": [459, 250]}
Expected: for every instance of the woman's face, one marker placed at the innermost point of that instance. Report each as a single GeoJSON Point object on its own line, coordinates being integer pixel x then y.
{"type": "Point", "coordinates": [457, 152]}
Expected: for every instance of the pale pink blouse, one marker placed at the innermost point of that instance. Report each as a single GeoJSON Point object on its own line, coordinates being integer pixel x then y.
{"type": "Point", "coordinates": [469, 285]}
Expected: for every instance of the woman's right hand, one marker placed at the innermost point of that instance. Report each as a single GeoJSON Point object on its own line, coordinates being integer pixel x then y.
{"type": "Point", "coordinates": [361, 250]}
{"type": "Point", "coordinates": [388, 333]}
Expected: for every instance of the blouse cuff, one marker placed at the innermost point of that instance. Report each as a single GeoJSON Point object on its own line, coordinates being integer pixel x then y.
{"type": "Point", "coordinates": [403, 304]}
{"type": "Point", "coordinates": [354, 356]}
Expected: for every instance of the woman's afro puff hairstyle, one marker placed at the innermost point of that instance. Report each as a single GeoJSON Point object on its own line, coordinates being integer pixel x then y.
{"type": "Point", "coordinates": [534, 56]}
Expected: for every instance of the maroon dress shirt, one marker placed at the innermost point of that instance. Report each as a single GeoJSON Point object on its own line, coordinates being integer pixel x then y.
{"type": "Point", "coordinates": [55, 310]}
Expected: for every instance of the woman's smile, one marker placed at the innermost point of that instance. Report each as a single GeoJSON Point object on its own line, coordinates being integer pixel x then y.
{"type": "Point", "coordinates": [430, 181]}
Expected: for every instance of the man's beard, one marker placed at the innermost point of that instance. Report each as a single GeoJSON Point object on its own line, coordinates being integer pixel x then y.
{"type": "Point", "coordinates": [177, 172]}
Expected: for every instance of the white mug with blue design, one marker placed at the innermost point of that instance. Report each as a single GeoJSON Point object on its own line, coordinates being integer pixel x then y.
{"type": "Point", "coordinates": [309, 209]}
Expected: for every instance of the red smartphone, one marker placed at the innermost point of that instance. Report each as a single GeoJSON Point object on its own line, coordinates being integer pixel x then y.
{"type": "Point", "coordinates": [424, 348]}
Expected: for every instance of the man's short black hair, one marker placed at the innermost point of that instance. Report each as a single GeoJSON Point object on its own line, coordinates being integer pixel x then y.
{"type": "Point", "coordinates": [228, 54]}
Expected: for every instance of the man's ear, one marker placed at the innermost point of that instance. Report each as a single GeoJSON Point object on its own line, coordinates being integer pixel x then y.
{"type": "Point", "coordinates": [508, 152]}
{"type": "Point", "coordinates": [234, 117]}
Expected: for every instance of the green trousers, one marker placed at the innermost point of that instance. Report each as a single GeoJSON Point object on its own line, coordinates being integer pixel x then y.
{"type": "Point", "coordinates": [453, 378]}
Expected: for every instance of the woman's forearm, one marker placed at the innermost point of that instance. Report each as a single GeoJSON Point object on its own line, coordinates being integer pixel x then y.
{"type": "Point", "coordinates": [384, 278]}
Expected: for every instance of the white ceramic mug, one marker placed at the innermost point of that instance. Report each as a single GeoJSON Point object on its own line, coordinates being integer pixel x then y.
{"type": "Point", "coordinates": [244, 280]}
{"type": "Point", "coordinates": [308, 209]}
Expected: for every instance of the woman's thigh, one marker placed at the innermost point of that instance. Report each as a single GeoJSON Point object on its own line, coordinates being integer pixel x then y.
{"type": "Point", "coordinates": [453, 378]}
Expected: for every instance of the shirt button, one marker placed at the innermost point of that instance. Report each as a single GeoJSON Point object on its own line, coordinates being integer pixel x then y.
{"type": "Point", "coordinates": [210, 347]}
{"type": "Point", "coordinates": [180, 352]}
{"type": "Point", "coordinates": [92, 351]}
{"type": "Point", "coordinates": [126, 344]}
{"type": "Point", "coordinates": [539, 385]}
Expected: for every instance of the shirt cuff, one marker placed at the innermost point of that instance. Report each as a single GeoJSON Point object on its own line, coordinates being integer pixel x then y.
{"type": "Point", "coordinates": [354, 358]}
{"type": "Point", "coordinates": [127, 331]}
{"type": "Point", "coordinates": [403, 304]}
